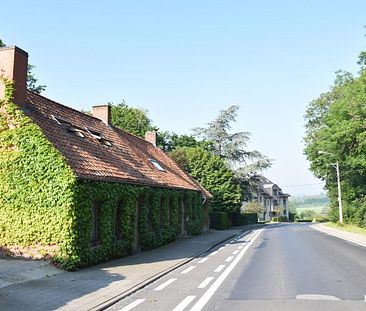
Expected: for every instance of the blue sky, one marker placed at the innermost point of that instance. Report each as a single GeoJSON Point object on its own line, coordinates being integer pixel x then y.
{"type": "Point", "coordinates": [184, 61]}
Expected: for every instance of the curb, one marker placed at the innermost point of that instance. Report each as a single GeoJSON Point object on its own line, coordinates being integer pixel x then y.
{"type": "Point", "coordinates": [338, 235]}
{"type": "Point", "coordinates": [106, 304]}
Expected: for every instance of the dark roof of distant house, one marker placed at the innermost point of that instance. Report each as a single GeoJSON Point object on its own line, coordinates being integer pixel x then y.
{"type": "Point", "coordinates": [264, 184]}
{"type": "Point", "coordinates": [97, 151]}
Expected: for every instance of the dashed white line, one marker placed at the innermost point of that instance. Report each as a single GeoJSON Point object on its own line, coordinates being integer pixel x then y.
{"type": "Point", "coordinates": [240, 247]}
{"type": "Point", "coordinates": [213, 288]}
{"type": "Point", "coordinates": [205, 282]}
{"type": "Point", "coordinates": [165, 284]}
{"type": "Point", "coordinates": [235, 252]}
{"type": "Point", "coordinates": [214, 253]}
{"type": "Point", "coordinates": [203, 260]}
{"type": "Point", "coordinates": [188, 269]}
{"type": "Point", "coordinates": [132, 305]}
{"type": "Point", "coordinates": [230, 258]}
{"type": "Point", "coordinates": [219, 268]}
{"type": "Point", "coordinates": [184, 303]}
{"type": "Point", "coordinates": [222, 247]}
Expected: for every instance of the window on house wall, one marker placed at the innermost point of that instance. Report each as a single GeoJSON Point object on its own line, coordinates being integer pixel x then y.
{"type": "Point", "coordinates": [275, 203]}
{"type": "Point", "coordinates": [275, 192]}
{"type": "Point", "coordinates": [284, 202]}
{"type": "Point", "coordinates": [118, 223]}
{"type": "Point", "coordinates": [95, 232]}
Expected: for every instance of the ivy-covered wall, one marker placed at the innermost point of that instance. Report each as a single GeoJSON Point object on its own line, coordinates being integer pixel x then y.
{"type": "Point", "coordinates": [155, 212]}
{"type": "Point", "coordinates": [43, 204]}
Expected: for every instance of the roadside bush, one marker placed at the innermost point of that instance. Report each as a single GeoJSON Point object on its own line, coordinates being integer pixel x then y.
{"type": "Point", "coordinates": [219, 220]}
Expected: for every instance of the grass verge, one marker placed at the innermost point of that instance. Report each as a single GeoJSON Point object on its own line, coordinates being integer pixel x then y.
{"type": "Point", "coordinates": [347, 227]}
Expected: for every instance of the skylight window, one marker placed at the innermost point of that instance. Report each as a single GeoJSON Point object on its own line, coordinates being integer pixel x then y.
{"type": "Point", "coordinates": [157, 165]}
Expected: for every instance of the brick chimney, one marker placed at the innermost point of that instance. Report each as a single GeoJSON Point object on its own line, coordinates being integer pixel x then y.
{"type": "Point", "coordinates": [150, 136]}
{"type": "Point", "coordinates": [103, 112]}
{"type": "Point", "coordinates": [13, 66]}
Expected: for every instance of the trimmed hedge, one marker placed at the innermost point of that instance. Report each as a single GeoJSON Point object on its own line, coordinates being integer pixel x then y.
{"type": "Point", "coordinates": [219, 220]}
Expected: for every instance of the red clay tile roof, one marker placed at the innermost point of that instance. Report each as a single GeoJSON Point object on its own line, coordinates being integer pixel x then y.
{"type": "Point", "coordinates": [127, 160]}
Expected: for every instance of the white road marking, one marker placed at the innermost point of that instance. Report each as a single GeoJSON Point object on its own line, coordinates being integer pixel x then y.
{"type": "Point", "coordinates": [230, 258]}
{"type": "Point", "coordinates": [219, 268]}
{"type": "Point", "coordinates": [132, 305]}
{"type": "Point", "coordinates": [165, 284]}
{"type": "Point", "coordinates": [316, 297]}
{"type": "Point", "coordinates": [188, 269]}
{"type": "Point", "coordinates": [222, 247]}
{"type": "Point", "coordinates": [185, 302]}
{"type": "Point", "coordinates": [213, 288]}
{"type": "Point", "coordinates": [203, 260]}
{"type": "Point", "coordinates": [240, 247]}
{"type": "Point", "coordinates": [214, 253]}
{"type": "Point", "coordinates": [205, 282]}
{"type": "Point", "coordinates": [235, 252]}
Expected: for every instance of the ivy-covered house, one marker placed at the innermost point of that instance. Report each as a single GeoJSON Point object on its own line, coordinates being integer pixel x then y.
{"type": "Point", "coordinates": [76, 187]}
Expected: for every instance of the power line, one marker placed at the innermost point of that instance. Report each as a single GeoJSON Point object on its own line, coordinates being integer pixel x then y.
{"type": "Point", "coordinates": [303, 185]}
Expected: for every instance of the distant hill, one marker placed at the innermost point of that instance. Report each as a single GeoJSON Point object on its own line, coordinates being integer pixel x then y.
{"type": "Point", "coordinates": [319, 204]}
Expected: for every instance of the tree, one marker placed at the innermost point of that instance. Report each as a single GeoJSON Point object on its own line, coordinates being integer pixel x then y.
{"type": "Point", "coordinates": [170, 141]}
{"type": "Point", "coordinates": [253, 207]}
{"type": "Point", "coordinates": [130, 119]}
{"type": "Point", "coordinates": [212, 173]}
{"type": "Point", "coordinates": [336, 125]}
{"type": "Point", "coordinates": [232, 147]}
{"type": "Point", "coordinates": [31, 80]}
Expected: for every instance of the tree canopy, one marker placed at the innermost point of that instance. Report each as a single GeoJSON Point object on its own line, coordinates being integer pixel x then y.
{"type": "Point", "coordinates": [336, 132]}
{"type": "Point", "coordinates": [131, 119]}
{"type": "Point", "coordinates": [213, 173]}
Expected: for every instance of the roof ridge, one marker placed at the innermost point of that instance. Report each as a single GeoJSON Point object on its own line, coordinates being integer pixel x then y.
{"type": "Point", "coordinates": [67, 107]}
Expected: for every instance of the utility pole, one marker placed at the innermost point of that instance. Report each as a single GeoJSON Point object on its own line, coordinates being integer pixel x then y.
{"type": "Point", "coordinates": [339, 186]}
{"type": "Point", "coordinates": [339, 195]}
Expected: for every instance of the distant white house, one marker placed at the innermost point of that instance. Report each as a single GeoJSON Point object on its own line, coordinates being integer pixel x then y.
{"type": "Point", "coordinates": [271, 197]}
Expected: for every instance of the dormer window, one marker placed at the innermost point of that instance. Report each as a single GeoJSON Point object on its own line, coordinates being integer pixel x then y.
{"type": "Point", "coordinates": [100, 138]}
{"type": "Point", "coordinates": [95, 134]}
{"type": "Point", "coordinates": [70, 128]}
{"type": "Point", "coordinates": [157, 165]}
{"type": "Point", "coordinates": [77, 131]}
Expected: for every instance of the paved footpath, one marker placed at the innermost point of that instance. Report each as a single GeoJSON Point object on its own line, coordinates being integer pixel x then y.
{"type": "Point", "coordinates": [359, 239]}
{"type": "Point", "coordinates": [97, 287]}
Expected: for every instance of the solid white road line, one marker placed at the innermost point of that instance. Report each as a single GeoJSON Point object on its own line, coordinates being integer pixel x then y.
{"type": "Point", "coordinates": [230, 258]}
{"type": "Point", "coordinates": [188, 269]}
{"type": "Point", "coordinates": [132, 305]}
{"type": "Point", "coordinates": [219, 268]}
{"type": "Point", "coordinates": [165, 284]}
{"type": "Point", "coordinates": [213, 288]}
{"type": "Point", "coordinates": [185, 302]}
{"type": "Point", "coordinates": [214, 253]}
{"type": "Point", "coordinates": [203, 260]}
{"type": "Point", "coordinates": [235, 252]}
{"type": "Point", "coordinates": [205, 282]}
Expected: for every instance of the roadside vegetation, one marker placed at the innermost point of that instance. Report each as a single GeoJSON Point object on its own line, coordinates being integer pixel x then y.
{"type": "Point", "coordinates": [335, 134]}
{"type": "Point", "coordinates": [218, 159]}
{"type": "Point", "coordinates": [347, 227]}
{"type": "Point", "coordinates": [309, 208]}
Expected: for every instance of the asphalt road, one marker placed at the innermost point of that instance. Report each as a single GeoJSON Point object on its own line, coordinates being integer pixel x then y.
{"type": "Point", "coordinates": [279, 267]}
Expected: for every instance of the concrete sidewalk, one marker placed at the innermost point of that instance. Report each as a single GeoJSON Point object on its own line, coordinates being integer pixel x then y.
{"type": "Point", "coordinates": [97, 287]}
{"type": "Point", "coordinates": [356, 238]}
